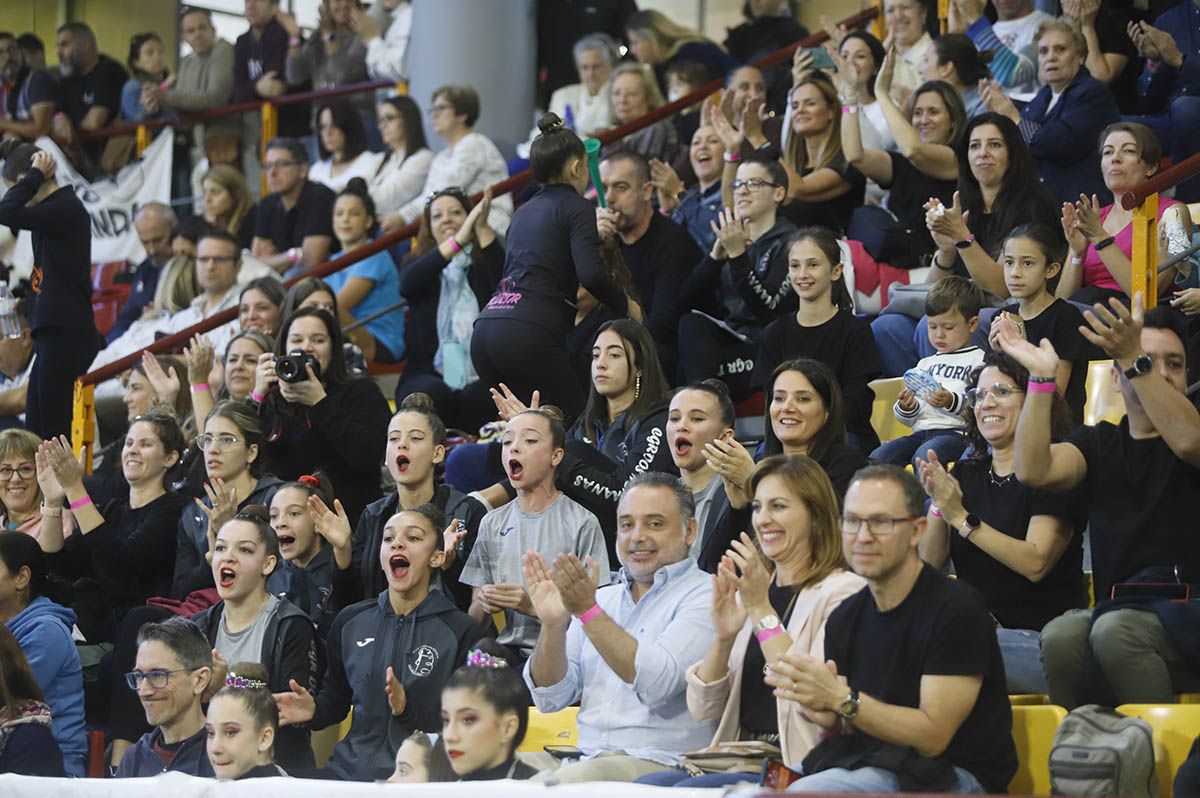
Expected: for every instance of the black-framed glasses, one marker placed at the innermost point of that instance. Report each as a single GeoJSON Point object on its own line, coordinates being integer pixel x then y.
{"type": "Point", "coordinates": [24, 471]}
{"type": "Point", "coordinates": [753, 183]}
{"type": "Point", "coordinates": [225, 441]}
{"type": "Point", "coordinates": [880, 526]}
{"type": "Point", "coordinates": [157, 678]}
{"type": "Point", "coordinates": [999, 393]}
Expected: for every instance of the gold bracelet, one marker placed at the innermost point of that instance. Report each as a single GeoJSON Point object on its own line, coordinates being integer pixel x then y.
{"type": "Point", "coordinates": [52, 512]}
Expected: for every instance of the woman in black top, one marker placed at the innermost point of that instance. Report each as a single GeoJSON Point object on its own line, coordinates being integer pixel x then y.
{"type": "Point", "coordinates": [326, 420]}
{"type": "Point", "coordinates": [452, 272]}
{"type": "Point", "coordinates": [64, 331]}
{"type": "Point", "coordinates": [125, 551]}
{"type": "Point", "coordinates": [553, 247]}
{"type": "Point", "coordinates": [1021, 548]}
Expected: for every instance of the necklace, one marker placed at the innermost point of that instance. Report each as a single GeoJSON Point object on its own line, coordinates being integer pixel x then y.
{"type": "Point", "coordinates": [1000, 481]}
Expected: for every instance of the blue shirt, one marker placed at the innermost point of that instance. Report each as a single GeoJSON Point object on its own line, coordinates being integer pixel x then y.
{"type": "Point", "coordinates": [1160, 82]}
{"type": "Point", "coordinates": [648, 719]}
{"type": "Point", "coordinates": [380, 269]}
{"type": "Point", "coordinates": [696, 212]}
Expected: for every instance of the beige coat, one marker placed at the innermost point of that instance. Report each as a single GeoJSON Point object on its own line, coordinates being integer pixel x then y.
{"type": "Point", "coordinates": [722, 698]}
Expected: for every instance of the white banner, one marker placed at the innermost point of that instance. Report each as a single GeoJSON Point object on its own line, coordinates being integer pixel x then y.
{"type": "Point", "coordinates": [111, 201]}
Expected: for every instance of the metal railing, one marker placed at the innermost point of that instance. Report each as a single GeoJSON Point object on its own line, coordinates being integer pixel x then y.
{"type": "Point", "coordinates": [82, 424]}
{"type": "Point", "coordinates": [1143, 200]}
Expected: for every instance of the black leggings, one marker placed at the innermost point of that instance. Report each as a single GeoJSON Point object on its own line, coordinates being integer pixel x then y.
{"type": "Point", "coordinates": [467, 408]}
{"type": "Point", "coordinates": [527, 358]}
{"type": "Point", "coordinates": [62, 355]}
{"type": "Point", "coordinates": [706, 350]}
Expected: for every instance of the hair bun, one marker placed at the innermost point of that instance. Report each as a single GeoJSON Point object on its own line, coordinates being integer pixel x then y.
{"type": "Point", "coordinates": [421, 402]}
{"type": "Point", "coordinates": [552, 411]}
{"type": "Point", "coordinates": [717, 385]}
{"type": "Point", "coordinates": [358, 186]}
{"type": "Point", "coordinates": [256, 511]}
{"type": "Point", "coordinates": [549, 122]}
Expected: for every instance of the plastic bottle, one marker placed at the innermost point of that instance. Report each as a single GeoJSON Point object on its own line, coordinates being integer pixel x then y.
{"type": "Point", "coordinates": [10, 324]}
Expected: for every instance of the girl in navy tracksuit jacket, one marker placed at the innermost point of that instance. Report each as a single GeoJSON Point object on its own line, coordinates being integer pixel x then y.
{"type": "Point", "coordinates": [389, 656]}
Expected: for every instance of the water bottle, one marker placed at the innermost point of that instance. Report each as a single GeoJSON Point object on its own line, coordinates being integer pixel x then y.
{"type": "Point", "coordinates": [10, 324]}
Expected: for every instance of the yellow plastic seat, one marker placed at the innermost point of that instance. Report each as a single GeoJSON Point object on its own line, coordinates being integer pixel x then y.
{"type": "Point", "coordinates": [1103, 403]}
{"type": "Point", "coordinates": [1189, 698]}
{"type": "Point", "coordinates": [887, 427]}
{"type": "Point", "coordinates": [1028, 699]}
{"type": "Point", "coordinates": [324, 740]}
{"type": "Point", "coordinates": [555, 728]}
{"type": "Point", "coordinates": [1175, 728]}
{"type": "Point", "coordinates": [1033, 734]}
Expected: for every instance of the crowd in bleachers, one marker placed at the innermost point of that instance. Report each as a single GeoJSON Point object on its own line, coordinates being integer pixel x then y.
{"type": "Point", "coordinates": [633, 462]}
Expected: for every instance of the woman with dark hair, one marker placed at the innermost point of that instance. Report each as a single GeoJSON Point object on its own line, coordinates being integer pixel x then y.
{"type": "Point", "coordinates": [124, 550]}
{"type": "Point", "coordinates": [954, 59]}
{"type": "Point", "coordinates": [319, 418]}
{"type": "Point", "coordinates": [42, 628]}
{"type": "Point", "coordinates": [342, 147]}
{"type": "Point", "coordinates": [147, 65]}
{"type": "Point", "coordinates": [401, 175]}
{"type": "Point", "coordinates": [27, 744]}
{"type": "Point", "coordinates": [864, 56]}
{"type": "Point", "coordinates": [553, 247]}
{"type": "Point", "coordinates": [1021, 548]}
{"type": "Point", "coordinates": [370, 287]}
{"type": "Point", "coordinates": [313, 292]}
{"type": "Point", "coordinates": [335, 54]}
{"type": "Point", "coordinates": [452, 272]}
{"type": "Point", "coordinates": [259, 305]}
{"type": "Point", "coordinates": [769, 26]}
{"type": "Point", "coordinates": [824, 328]}
{"type": "Point", "coordinates": [238, 364]}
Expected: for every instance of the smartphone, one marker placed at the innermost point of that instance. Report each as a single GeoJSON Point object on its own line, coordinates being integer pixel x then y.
{"type": "Point", "coordinates": [820, 58]}
{"type": "Point", "coordinates": [563, 751]}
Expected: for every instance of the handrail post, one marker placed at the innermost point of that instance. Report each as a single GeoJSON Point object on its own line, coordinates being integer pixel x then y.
{"type": "Point", "coordinates": [402, 88]}
{"type": "Point", "coordinates": [880, 24]}
{"type": "Point", "coordinates": [1145, 250]}
{"type": "Point", "coordinates": [943, 12]}
{"type": "Point", "coordinates": [83, 425]}
{"type": "Point", "coordinates": [142, 139]}
{"type": "Point", "coordinates": [270, 129]}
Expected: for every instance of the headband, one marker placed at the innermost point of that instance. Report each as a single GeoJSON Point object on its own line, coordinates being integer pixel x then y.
{"type": "Point", "coordinates": [481, 659]}
{"type": "Point", "coordinates": [241, 682]}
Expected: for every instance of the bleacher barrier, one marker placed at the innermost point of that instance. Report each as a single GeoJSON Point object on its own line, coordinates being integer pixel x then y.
{"type": "Point", "coordinates": [554, 728]}
{"type": "Point", "coordinates": [1175, 728]}
{"type": "Point", "coordinates": [1033, 734]}
{"type": "Point", "coordinates": [82, 426]}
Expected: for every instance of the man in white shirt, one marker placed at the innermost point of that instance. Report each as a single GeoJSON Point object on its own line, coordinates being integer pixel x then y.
{"type": "Point", "coordinates": [16, 359]}
{"type": "Point", "coordinates": [906, 30]}
{"type": "Point", "coordinates": [386, 29]}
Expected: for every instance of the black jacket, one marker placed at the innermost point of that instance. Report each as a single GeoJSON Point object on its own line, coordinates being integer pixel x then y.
{"type": "Point", "coordinates": [343, 435]}
{"type": "Point", "coordinates": [289, 652]}
{"type": "Point", "coordinates": [423, 648]}
{"type": "Point", "coordinates": [421, 284]}
{"type": "Point", "coordinates": [365, 576]}
{"type": "Point", "coordinates": [310, 588]}
{"type": "Point", "coordinates": [191, 758]}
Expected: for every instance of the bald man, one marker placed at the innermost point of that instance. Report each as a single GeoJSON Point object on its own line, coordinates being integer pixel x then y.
{"type": "Point", "coordinates": [153, 222]}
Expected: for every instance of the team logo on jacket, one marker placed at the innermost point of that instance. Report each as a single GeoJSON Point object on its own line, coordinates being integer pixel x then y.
{"type": "Point", "coordinates": [424, 659]}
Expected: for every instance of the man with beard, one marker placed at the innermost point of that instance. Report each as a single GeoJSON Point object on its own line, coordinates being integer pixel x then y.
{"type": "Point", "coordinates": [90, 87]}
{"type": "Point", "coordinates": [30, 96]}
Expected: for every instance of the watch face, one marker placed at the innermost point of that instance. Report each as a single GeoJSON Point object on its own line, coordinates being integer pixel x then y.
{"type": "Point", "coordinates": [768, 622]}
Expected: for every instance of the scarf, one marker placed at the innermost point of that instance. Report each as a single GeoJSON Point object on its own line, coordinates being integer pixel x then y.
{"type": "Point", "coordinates": [30, 712]}
{"type": "Point", "coordinates": [456, 312]}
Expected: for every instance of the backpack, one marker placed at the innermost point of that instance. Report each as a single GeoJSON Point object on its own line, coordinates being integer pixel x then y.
{"type": "Point", "coordinates": [1098, 751]}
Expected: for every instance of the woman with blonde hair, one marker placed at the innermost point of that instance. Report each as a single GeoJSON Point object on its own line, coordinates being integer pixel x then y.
{"type": "Point", "coordinates": [228, 204]}
{"type": "Point", "coordinates": [657, 40]}
{"type": "Point", "coordinates": [633, 93]}
{"type": "Point", "coordinates": [21, 499]}
{"type": "Point", "coordinates": [771, 596]}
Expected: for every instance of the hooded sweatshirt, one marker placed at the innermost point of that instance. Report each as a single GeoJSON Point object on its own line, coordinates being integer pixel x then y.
{"type": "Point", "coordinates": [191, 757]}
{"type": "Point", "coordinates": [423, 648]}
{"type": "Point", "coordinates": [43, 630]}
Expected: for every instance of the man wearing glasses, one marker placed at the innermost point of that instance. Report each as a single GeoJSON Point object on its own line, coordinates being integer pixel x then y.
{"type": "Point", "coordinates": [293, 229]}
{"type": "Point", "coordinates": [913, 690]}
{"type": "Point", "coordinates": [218, 260]}
{"type": "Point", "coordinates": [172, 674]}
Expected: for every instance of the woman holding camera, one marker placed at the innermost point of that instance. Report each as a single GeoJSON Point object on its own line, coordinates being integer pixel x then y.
{"type": "Point", "coordinates": [318, 418]}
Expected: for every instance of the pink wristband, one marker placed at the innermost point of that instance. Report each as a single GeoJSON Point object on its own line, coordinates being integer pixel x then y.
{"type": "Point", "coordinates": [256, 396]}
{"type": "Point", "coordinates": [1040, 387]}
{"type": "Point", "coordinates": [201, 387]}
{"type": "Point", "coordinates": [455, 246]}
{"type": "Point", "coordinates": [933, 509]}
{"type": "Point", "coordinates": [767, 634]}
{"type": "Point", "coordinates": [75, 505]}
{"type": "Point", "coordinates": [849, 109]}
{"type": "Point", "coordinates": [733, 157]}
{"type": "Point", "coordinates": [588, 616]}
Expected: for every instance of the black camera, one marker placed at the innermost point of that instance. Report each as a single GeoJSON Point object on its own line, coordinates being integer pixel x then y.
{"type": "Point", "coordinates": [290, 367]}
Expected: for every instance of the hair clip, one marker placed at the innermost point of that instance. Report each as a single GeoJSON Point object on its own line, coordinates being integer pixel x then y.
{"type": "Point", "coordinates": [241, 682]}
{"type": "Point", "coordinates": [481, 659]}
{"type": "Point", "coordinates": [310, 480]}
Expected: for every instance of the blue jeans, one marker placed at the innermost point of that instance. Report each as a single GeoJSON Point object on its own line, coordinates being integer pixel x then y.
{"type": "Point", "coordinates": [871, 780]}
{"type": "Point", "coordinates": [948, 443]}
{"type": "Point", "coordinates": [1176, 129]}
{"type": "Point", "coordinates": [680, 778]}
{"type": "Point", "coordinates": [1022, 653]}
{"type": "Point", "coordinates": [903, 340]}
{"type": "Point", "coordinates": [467, 468]}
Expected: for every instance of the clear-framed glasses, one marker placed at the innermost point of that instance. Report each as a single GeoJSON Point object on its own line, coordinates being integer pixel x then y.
{"type": "Point", "coordinates": [753, 183]}
{"type": "Point", "coordinates": [880, 526]}
{"type": "Point", "coordinates": [223, 441]}
{"type": "Point", "coordinates": [23, 471]}
{"type": "Point", "coordinates": [157, 678]}
{"type": "Point", "coordinates": [998, 391]}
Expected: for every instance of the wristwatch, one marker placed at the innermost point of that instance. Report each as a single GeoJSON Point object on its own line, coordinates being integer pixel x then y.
{"type": "Point", "coordinates": [1142, 365]}
{"type": "Point", "coordinates": [766, 623]}
{"type": "Point", "coordinates": [970, 524]}
{"type": "Point", "coordinates": [848, 708]}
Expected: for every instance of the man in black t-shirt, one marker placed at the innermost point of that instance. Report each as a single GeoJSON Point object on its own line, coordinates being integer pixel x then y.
{"type": "Point", "coordinates": [1141, 479]}
{"type": "Point", "coordinates": [658, 252]}
{"type": "Point", "coordinates": [913, 686]}
{"type": "Point", "coordinates": [293, 229]}
{"type": "Point", "coordinates": [90, 87]}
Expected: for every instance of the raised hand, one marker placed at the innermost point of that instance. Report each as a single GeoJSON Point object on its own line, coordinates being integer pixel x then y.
{"type": "Point", "coordinates": [333, 525]}
{"type": "Point", "coordinates": [836, 33]}
{"type": "Point", "coordinates": [67, 469]}
{"type": "Point", "coordinates": [264, 373]}
{"type": "Point", "coordinates": [166, 384]}
{"type": "Point", "coordinates": [543, 592]}
{"type": "Point", "coordinates": [1115, 329]}
{"type": "Point", "coordinates": [886, 74]}
{"type": "Point", "coordinates": [1040, 360]}
{"type": "Point", "coordinates": [754, 580]}
{"type": "Point", "coordinates": [484, 206]}
{"type": "Point", "coordinates": [750, 119]}
{"type": "Point", "coordinates": [731, 138]}
{"type": "Point", "coordinates": [802, 65]}
{"type": "Point", "coordinates": [220, 669]}
{"type": "Point", "coordinates": [806, 680]}
{"type": "Point", "coordinates": [952, 224]}
{"type": "Point", "coordinates": [307, 392]}
{"type": "Point", "coordinates": [1070, 227]}
{"type": "Point", "coordinates": [728, 615]}
{"type": "Point", "coordinates": [576, 582]}
{"type": "Point", "coordinates": [508, 405]}
{"type": "Point", "coordinates": [44, 162]}
{"type": "Point", "coordinates": [734, 464]}
{"type": "Point", "coordinates": [198, 356]}
{"type": "Point", "coordinates": [295, 706]}
{"type": "Point", "coordinates": [606, 222]}
{"type": "Point", "coordinates": [397, 698]}
{"type": "Point", "coordinates": [1186, 300]}
{"type": "Point", "coordinates": [451, 538]}
{"type": "Point", "coordinates": [508, 596]}
{"type": "Point", "coordinates": [731, 233]}
{"type": "Point", "coordinates": [666, 183]}
{"type": "Point", "coordinates": [1087, 215]}
{"type": "Point", "coordinates": [940, 485]}
{"type": "Point", "coordinates": [222, 507]}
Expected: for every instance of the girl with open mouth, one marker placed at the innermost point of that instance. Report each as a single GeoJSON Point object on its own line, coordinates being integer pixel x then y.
{"type": "Point", "coordinates": [306, 570]}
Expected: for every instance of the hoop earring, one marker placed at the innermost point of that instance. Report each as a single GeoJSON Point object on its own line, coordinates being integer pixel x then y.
{"type": "Point", "coordinates": [637, 386]}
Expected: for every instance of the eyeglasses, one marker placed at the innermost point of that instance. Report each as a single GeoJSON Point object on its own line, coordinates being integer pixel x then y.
{"type": "Point", "coordinates": [458, 192]}
{"type": "Point", "coordinates": [224, 441]}
{"type": "Point", "coordinates": [880, 525]}
{"type": "Point", "coordinates": [439, 107]}
{"type": "Point", "coordinates": [26, 471]}
{"type": "Point", "coordinates": [274, 165]}
{"type": "Point", "coordinates": [203, 260]}
{"type": "Point", "coordinates": [754, 184]}
{"type": "Point", "coordinates": [999, 393]}
{"type": "Point", "coordinates": [383, 119]}
{"type": "Point", "coordinates": [157, 678]}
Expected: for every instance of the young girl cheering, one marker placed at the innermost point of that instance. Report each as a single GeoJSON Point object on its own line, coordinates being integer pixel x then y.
{"type": "Point", "coordinates": [242, 724]}
{"type": "Point", "coordinates": [485, 714]}
{"type": "Point", "coordinates": [1032, 260]}
{"type": "Point", "coordinates": [389, 656]}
